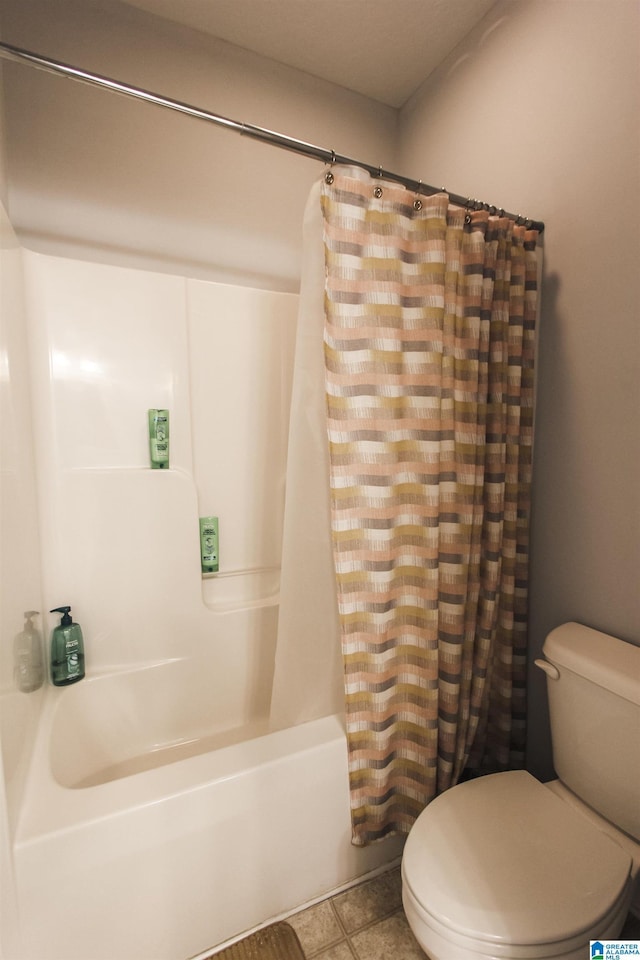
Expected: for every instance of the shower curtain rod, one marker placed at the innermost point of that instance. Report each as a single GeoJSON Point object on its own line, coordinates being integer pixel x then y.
{"type": "Point", "coordinates": [9, 52]}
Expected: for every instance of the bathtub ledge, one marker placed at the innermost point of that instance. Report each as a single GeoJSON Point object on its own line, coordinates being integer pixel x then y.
{"type": "Point", "coordinates": [50, 808]}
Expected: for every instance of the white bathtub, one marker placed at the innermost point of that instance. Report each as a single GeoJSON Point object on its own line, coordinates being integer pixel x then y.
{"type": "Point", "coordinates": [156, 835]}
{"type": "Point", "coordinates": [137, 720]}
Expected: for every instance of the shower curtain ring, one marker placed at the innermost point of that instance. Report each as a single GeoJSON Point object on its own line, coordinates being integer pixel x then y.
{"type": "Point", "coordinates": [378, 191]}
{"type": "Point", "coordinates": [467, 216]}
{"type": "Point", "coordinates": [417, 203]}
{"type": "Point", "coordinates": [329, 177]}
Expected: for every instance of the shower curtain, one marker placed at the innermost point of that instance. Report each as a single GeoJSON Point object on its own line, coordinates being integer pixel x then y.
{"type": "Point", "coordinates": [307, 682]}
{"type": "Point", "coordinates": [429, 361]}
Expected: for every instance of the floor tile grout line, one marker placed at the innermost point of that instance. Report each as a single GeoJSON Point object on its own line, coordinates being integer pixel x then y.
{"type": "Point", "coordinates": [347, 936]}
{"type": "Point", "coordinates": [325, 946]}
{"type": "Point", "coordinates": [331, 943]}
{"type": "Point", "coordinates": [352, 949]}
{"type": "Point", "coordinates": [323, 949]}
{"type": "Point", "coordinates": [374, 923]}
{"type": "Point", "coordinates": [338, 917]}
{"type": "Point", "coordinates": [371, 923]}
{"type": "Point", "coordinates": [379, 916]}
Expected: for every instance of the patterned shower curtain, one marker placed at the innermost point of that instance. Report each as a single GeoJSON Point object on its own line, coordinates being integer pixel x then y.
{"type": "Point", "coordinates": [429, 357]}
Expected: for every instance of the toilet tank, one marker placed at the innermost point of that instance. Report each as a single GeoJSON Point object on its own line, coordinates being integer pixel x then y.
{"type": "Point", "coordinates": [594, 706]}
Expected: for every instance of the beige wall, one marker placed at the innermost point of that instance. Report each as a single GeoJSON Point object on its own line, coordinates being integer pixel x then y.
{"type": "Point", "coordinates": [537, 111]}
{"type": "Point", "coordinates": [94, 175]}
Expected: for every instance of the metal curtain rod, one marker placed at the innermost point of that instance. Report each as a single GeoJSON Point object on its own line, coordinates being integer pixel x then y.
{"type": "Point", "coordinates": [10, 52]}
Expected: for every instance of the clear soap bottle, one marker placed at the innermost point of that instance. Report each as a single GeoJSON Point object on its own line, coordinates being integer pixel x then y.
{"type": "Point", "coordinates": [28, 661]}
{"type": "Point", "coordinates": [67, 650]}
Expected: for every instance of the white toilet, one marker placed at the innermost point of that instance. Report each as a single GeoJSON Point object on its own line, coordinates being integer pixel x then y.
{"type": "Point", "coordinates": [507, 867]}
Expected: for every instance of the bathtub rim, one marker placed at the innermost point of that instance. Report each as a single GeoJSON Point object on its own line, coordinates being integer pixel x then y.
{"type": "Point", "coordinates": [190, 735]}
{"type": "Point", "coordinates": [50, 808]}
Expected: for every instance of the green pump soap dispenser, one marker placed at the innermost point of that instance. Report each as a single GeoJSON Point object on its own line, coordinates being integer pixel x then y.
{"type": "Point", "coordinates": [67, 650]}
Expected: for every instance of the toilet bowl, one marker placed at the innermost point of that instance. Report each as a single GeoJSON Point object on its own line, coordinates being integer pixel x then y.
{"type": "Point", "coordinates": [504, 867]}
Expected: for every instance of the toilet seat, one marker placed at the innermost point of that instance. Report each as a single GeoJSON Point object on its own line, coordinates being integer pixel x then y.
{"type": "Point", "coordinates": [501, 866]}
{"type": "Point", "coordinates": [441, 943]}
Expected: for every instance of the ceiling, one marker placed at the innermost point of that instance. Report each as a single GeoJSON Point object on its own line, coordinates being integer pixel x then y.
{"type": "Point", "coordinates": [383, 49]}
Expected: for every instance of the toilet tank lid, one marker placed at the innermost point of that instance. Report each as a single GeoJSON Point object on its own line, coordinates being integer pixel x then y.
{"type": "Point", "coordinates": [611, 663]}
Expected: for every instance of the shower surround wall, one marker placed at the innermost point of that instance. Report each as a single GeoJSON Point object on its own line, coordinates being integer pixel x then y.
{"type": "Point", "coordinates": [20, 584]}
{"type": "Point", "coordinates": [120, 541]}
{"type": "Point", "coordinates": [159, 742]}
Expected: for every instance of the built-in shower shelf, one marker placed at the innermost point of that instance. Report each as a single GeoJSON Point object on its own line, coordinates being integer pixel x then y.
{"type": "Point", "coordinates": [241, 589]}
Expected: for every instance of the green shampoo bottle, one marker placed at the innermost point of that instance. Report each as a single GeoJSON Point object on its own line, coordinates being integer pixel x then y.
{"type": "Point", "coordinates": [67, 650]}
{"type": "Point", "coordinates": [209, 545]}
{"type": "Point", "coordinates": [159, 439]}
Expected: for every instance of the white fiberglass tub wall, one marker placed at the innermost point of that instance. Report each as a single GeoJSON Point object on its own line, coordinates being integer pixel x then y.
{"type": "Point", "coordinates": [166, 863]}
{"type": "Point", "coordinates": [20, 586]}
{"type": "Point", "coordinates": [162, 814]}
{"type": "Point", "coordinates": [97, 731]}
{"type": "Point", "coordinates": [121, 541]}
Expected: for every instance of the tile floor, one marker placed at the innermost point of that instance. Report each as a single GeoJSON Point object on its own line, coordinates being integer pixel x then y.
{"type": "Point", "coordinates": [367, 922]}
{"type": "Point", "coordinates": [363, 923]}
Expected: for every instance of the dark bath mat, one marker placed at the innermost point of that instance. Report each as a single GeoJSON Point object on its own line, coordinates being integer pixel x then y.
{"type": "Point", "coordinates": [276, 942]}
